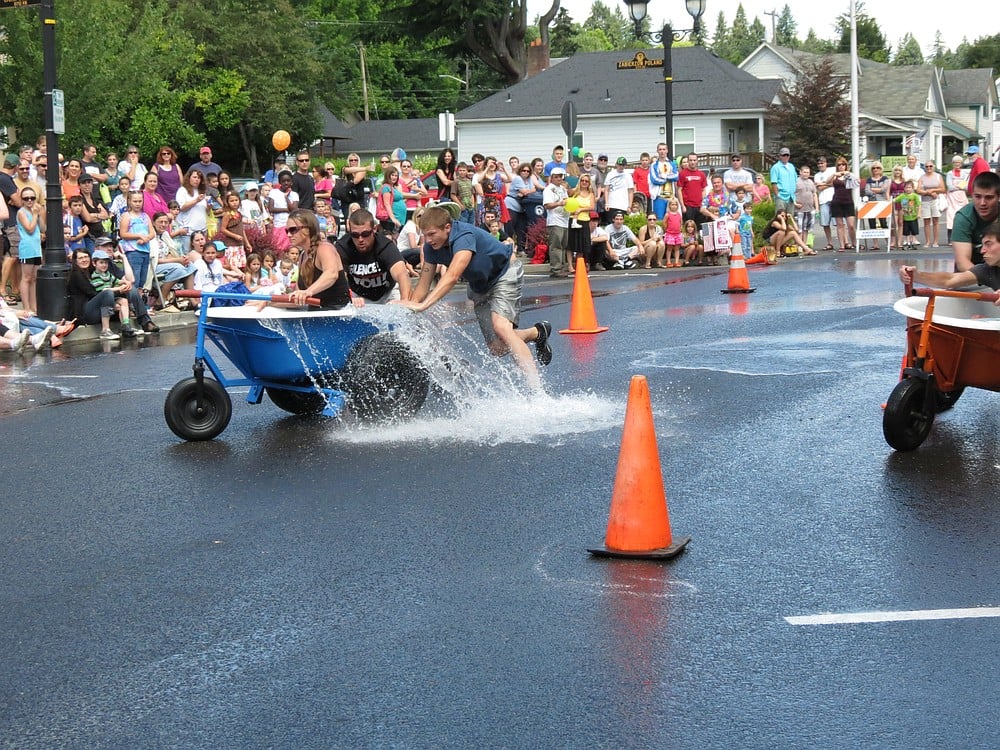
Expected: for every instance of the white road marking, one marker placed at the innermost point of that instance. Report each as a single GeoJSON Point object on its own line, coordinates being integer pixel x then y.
{"type": "Point", "coordinates": [899, 616]}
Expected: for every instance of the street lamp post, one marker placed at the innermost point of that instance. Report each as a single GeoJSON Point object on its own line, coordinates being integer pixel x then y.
{"type": "Point", "coordinates": [637, 12]}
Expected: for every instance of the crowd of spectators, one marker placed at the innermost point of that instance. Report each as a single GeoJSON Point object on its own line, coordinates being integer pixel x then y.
{"type": "Point", "coordinates": [149, 226]}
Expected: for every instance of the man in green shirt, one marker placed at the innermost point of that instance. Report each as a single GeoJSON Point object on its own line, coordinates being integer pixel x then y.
{"type": "Point", "coordinates": [971, 220]}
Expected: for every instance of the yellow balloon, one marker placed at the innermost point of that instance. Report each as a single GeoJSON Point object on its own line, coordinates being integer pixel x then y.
{"type": "Point", "coordinates": [572, 205]}
{"type": "Point", "coordinates": [281, 140]}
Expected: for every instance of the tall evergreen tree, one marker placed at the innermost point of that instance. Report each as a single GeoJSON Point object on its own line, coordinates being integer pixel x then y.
{"type": "Point", "coordinates": [721, 38]}
{"type": "Point", "coordinates": [872, 44]}
{"type": "Point", "coordinates": [908, 51]}
{"type": "Point", "coordinates": [563, 35]}
{"type": "Point", "coordinates": [786, 30]}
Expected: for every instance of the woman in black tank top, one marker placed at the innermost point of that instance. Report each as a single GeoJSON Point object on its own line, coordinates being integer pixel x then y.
{"type": "Point", "coordinates": [321, 274]}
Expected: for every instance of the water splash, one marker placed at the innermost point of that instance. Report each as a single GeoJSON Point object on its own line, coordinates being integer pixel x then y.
{"type": "Point", "coordinates": [475, 397]}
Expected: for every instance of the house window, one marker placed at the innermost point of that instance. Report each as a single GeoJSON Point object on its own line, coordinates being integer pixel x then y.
{"type": "Point", "coordinates": [683, 141]}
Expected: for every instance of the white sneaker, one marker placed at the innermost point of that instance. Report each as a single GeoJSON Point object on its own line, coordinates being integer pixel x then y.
{"type": "Point", "coordinates": [109, 336]}
{"type": "Point", "coordinates": [21, 341]}
{"type": "Point", "coordinates": [40, 339]}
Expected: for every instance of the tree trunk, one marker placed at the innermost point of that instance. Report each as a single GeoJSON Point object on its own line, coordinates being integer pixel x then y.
{"type": "Point", "coordinates": [545, 20]}
{"type": "Point", "coordinates": [249, 148]}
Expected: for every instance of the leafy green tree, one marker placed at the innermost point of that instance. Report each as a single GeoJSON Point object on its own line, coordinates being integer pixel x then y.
{"type": "Point", "coordinates": [786, 30]}
{"type": "Point", "coordinates": [137, 85]}
{"type": "Point", "coordinates": [872, 44]}
{"type": "Point", "coordinates": [817, 46]}
{"type": "Point", "coordinates": [908, 52]}
{"type": "Point", "coordinates": [813, 116]}
{"type": "Point", "coordinates": [279, 67]}
{"type": "Point", "coordinates": [983, 53]}
{"type": "Point", "coordinates": [593, 40]}
{"type": "Point", "coordinates": [617, 29]}
{"type": "Point", "coordinates": [492, 30]}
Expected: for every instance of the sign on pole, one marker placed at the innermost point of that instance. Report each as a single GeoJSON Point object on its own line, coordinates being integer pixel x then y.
{"type": "Point", "coordinates": [446, 127]}
{"type": "Point", "coordinates": [19, 3]}
{"type": "Point", "coordinates": [569, 120]}
{"type": "Point", "coordinates": [58, 112]}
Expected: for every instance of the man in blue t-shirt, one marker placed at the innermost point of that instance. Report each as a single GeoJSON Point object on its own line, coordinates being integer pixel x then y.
{"type": "Point", "coordinates": [784, 180]}
{"type": "Point", "coordinates": [494, 279]}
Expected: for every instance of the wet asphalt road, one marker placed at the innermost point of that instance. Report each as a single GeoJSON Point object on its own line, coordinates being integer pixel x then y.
{"type": "Point", "coordinates": [301, 583]}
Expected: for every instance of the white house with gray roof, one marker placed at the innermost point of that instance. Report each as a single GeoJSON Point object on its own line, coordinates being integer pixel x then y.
{"type": "Point", "coordinates": [910, 108]}
{"type": "Point", "coordinates": [718, 108]}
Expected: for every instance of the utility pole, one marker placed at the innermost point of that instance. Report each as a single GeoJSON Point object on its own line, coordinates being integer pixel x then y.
{"type": "Point", "coordinates": [774, 34]}
{"type": "Point", "coordinates": [364, 79]}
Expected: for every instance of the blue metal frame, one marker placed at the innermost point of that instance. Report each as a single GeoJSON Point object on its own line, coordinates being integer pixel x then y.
{"type": "Point", "coordinates": [220, 334]}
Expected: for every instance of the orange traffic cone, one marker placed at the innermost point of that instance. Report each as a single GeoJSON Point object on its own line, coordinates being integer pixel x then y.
{"type": "Point", "coordinates": [582, 318]}
{"type": "Point", "coordinates": [760, 257]}
{"type": "Point", "coordinates": [739, 281]}
{"type": "Point", "coordinates": [639, 525]}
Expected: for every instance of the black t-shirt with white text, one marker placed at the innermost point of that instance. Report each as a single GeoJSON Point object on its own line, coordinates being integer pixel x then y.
{"type": "Point", "coordinates": [368, 273]}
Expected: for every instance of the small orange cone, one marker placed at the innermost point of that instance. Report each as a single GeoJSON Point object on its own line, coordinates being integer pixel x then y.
{"type": "Point", "coordinates": [739, 281]}
{"type": "Point", "coordinates": [760, 257]}
{"type": "Point", "coordinates": [639, 524]}
{"type": "Point", "coordinates": [582, 318]}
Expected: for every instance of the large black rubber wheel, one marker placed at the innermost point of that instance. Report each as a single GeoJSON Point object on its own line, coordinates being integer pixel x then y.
{"type": "Point", "coordinates": [906, 421]}
{"type": "Point", "coordinates": [186, 420]}
{"type": "Point", "coordinates": [383, 380]}
{"type": "Point", "coordinates": [297, 402]}
{"type": "Point", "coordinates": [947, 399]}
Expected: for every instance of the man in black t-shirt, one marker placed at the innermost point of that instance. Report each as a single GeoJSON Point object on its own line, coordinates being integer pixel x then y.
{"type": "Point", "coordinates": [375, 270]}
{"type": "Point", "coordinates": [303, 182]}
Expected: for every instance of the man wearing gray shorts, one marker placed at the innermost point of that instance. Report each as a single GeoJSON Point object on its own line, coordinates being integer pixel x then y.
{"type": "Point", "coordinates": [824, 185]}
{"type": "Point", "coordinates": [494, 280]}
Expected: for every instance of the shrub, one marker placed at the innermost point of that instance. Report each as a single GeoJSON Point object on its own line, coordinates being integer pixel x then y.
{"type": "Point", "coordinates": [262, 242]}
{"type": "Point", "coordinates": [536, 234]}
{"type": "Point", "coordinates": [635, 222]}
{"type": "Point", "coordinates": [762, 214]}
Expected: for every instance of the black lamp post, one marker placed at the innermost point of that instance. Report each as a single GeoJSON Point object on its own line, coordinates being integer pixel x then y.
{"type": "Point", "coordinates": [669, 35]}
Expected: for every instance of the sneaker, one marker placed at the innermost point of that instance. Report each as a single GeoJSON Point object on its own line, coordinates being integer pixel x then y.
{"type": "Point", "coordinates": [20, 342]}
{"type": "Point", "coordinates": [543, 350]}
{"type": "Point", "coordinates": [150, 327]}
{"type": "Point", "coordinates": [109, 336]}
{"type": "Point", "coordinates": [128, 332]}
{"type": "Point", "coordinates": [41, 338]}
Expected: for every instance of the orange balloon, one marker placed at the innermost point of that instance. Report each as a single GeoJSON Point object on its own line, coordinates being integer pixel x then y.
{"type": "Point", "coordinates": [281, 140]}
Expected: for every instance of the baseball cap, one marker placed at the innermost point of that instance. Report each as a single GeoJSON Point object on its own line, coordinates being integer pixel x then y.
{"type": "Point", "coordinates": [204, 150]}
{"type": "Point", "coordinates": [85, 178]}
{"type": "Point", "coordinates": [557, 170]}
{"type": "Point", "coordinates": [100, 255]}
{"type": "Point", "coordinates": [11, 160]}
{"type": "Point", "coordinates": [621, 160]}
{"type": "Point", "coordinates": [250, 186]}
{"type": "Point", "coordinates": [784, 152]}
{"type": "Point", "coordinates": [972, 150]}
{"type": "Point", "coordinates": [594, 216]}
{"type": "Point", "coordinates": [104, 241]}
{"type": "Point", "coordinates": [588, 154]}
{"type": "Point", "coordinates": [602, 156]}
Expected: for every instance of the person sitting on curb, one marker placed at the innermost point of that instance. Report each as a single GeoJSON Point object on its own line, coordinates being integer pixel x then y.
{"type": "Point", "coordinates": [26, 320]}
{"type": "Point", "coordinates": [11, 340]}
{"type": "Point", "coordinates": [619, 237]}
{"type": "Point", "coordinates": [494, 280]}
{"type": "Point", "coordinates": [986, 273]}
